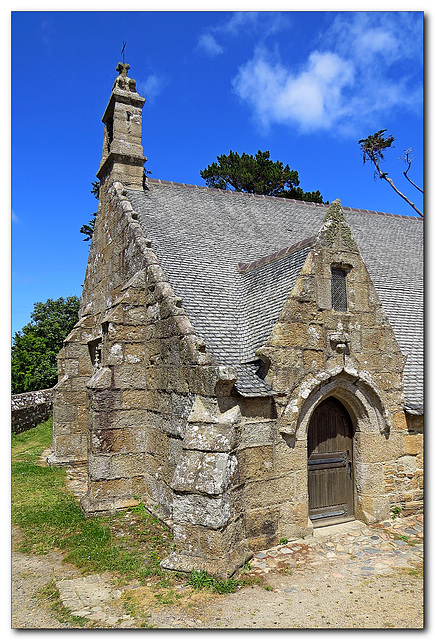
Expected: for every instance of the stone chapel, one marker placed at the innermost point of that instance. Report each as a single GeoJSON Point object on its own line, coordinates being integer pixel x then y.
{"type": "Point", "coordinates": [249, 367]}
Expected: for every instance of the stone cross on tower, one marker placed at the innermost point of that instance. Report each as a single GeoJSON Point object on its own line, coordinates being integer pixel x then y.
{"type": "Point", "coordinates": [123, 157]}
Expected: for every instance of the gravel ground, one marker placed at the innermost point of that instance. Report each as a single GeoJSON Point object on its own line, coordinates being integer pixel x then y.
{"type": "Point", "coordinates": [350, 576]}
{"type": "Point", "coordinates": [30, 574]}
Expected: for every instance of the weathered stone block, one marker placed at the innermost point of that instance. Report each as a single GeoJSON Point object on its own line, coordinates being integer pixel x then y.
{"type": "Point", "coordinates": [256, 432]}
{"type": "Point", "coordinates": [104, 489]}
{"type": "Point", "coordinates": [255, 463]}
{"type": "Point", "coordinates": [129, 376]}
{"type": "Point", "coordinates": [135, 315]}
{"type": "Point", "coordinates": [157, 443]}
{"type": "Point", "coordinates": [127, 465]}
{"type": "Point", "coordinates": [323, 293]}
{"type": "Point", "coordinates": [63, 414]}
{"type": "Point", "coordinates": [284, 379]}
{"type": "Point", "coordinates": [79, 384]}
{"type": "Point", "coordinates": [201, 510]}
{"type": "Point", "coordinates": [313, 360]}
{"type": "Point", "coordinates": [209, 437]}
{"type": "Point", "coordinates": [373, 339]}
{"type": "Point", "coordinates": [261, 522]}
{"type": "Point", "coordinates": [399, 421]}
{"type": "Point", "coordinates": [114, 353]}
{"type": "Point", "coordinates": [173, 425]}
{"type": "Point", "coordinates": [374, 447]}
{"type": "Point", "coordinates": [159, 401]}
{"type": "Point", "coordinates": [158, 497]}
{"type": "Point", "coordinates": [413, 444]}
{"type": "Point", "coordinates": [387, 380]}
{"type": "Point", "coordinates": [289, 334]}
{"type": "Point", "coordinates": [127, 418]}
{"type": "Point", "coordinates": [178, 379]}
{"type": "Point", "coordinates": [209, 473]}
{"type": "Point", "coordinates": [211, 543]}
{"type": "Point", "coordinates": [358, 297]}
{"type": "Point", "coordinates": [134, 353]}
{"type": "Point", "coordinates": [290, 457]}
{"type": "Point", "coordinates": [372, 509]}
{"type": "Point", "coordinates": [169, 350]}
{"type": "Point", "coordinates": [369, 478]}
{"type": "Point", "coordinates": [99, 467]}
{"type": "Point", "coordinates": [265, 493]}
{"type": "Point", "coordinates": [282, 357]}
{"type": "Point", "coordinates": [157, 377]}
{"type": "Point", "coordinates": [139, 439]}
{"type": "Point", "coordinates": [111, 441]}
{"type": "Point", "coordinates": [293, 518]}
{"type": "Point", "coordinates": [85, 366]}
{"type": "Point", "coordinates": [300, 311]}
{"type": "Point", "coordinates": [134, 399]}
{"type": "Point", "coordinates": [175, 448]}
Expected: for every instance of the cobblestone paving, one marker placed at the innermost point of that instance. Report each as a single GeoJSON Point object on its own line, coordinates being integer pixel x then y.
{"type": "Point", "coordinates": [350, 549]}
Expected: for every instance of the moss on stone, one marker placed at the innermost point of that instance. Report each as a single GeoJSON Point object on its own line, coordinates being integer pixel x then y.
{"type": "Point", "coordinates": [336, 230]}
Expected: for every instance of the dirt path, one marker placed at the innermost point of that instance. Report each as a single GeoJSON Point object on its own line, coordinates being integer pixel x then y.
{"type": "Point", "coordinates": [351, 576]}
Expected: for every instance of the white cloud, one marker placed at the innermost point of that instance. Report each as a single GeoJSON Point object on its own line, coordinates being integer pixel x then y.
{"type": "Point", "coordinates": [357, 73]}
{"type": "Point", "coordinates": [14, 217]}
{"type": "Point", "coordinates": [240, 20]}
{"type": "Point", "coordinates": [251, 23]}
{"type": "Point", "coordinates": [208, 43]}
{"type": "Point", "coordinates": [151, 87]}
{"type": "Point", "coordinates": [376, 37]}
{"type": "Point", "coordinates": [312, 98]}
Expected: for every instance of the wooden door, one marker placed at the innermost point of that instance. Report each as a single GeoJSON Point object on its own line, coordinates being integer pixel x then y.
{"type": "Point", "coordinates": [330, 464]}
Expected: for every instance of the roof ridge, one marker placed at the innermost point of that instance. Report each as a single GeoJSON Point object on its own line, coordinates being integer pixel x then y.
{"type": "Point", "coordinates": [244, 267]}
{"type": "Point", "coordinates": [171, 183]}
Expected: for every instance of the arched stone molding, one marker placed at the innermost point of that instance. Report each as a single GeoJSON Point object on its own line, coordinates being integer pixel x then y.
{"type": "Point", "coordinates": [355, 390]}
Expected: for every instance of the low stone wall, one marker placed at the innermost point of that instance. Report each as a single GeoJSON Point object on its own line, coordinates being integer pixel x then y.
{"type": "Point", "coordinates": [29, 409]}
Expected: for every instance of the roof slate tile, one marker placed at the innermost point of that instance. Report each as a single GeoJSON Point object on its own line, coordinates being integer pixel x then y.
{"type": "Point", "coordinates": [234, 260]}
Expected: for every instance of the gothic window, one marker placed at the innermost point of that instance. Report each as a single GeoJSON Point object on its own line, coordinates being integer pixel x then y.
{"type": "Point", "coordinates": [338, 289]}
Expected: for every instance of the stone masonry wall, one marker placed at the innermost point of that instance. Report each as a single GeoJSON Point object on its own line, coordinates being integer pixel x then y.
{"type": "Point", "coordinates": [155, 430]}
{"type": "Point", "coordinates": [403, 477]}
{"type": "Point", "coordinates": [115, 255]}
{"type": "Point", "coordinates": [29, 409]}
{"type": "Point", "coordinates": [315, 352]}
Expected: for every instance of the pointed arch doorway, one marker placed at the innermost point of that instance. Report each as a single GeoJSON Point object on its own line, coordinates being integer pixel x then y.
{"type": "Point", "coordinates": [330, 464]}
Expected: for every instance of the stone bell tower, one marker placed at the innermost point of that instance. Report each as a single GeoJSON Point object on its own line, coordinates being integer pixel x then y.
{"type": "Point", "coordinates": [123, 157]}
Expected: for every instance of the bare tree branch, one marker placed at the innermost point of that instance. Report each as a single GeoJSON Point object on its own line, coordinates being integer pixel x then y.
{"type": "Point", "coordinates": [409, 160]}
{"type": "Point", "coordinates": [372, 148]}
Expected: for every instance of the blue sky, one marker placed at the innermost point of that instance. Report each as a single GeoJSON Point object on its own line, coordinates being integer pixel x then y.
{"type": "Point", "coordinates": [305, 86]}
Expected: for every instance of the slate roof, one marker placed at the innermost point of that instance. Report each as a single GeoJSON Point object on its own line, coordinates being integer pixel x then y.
{"type": "Point", "coordinates": [234, 259]}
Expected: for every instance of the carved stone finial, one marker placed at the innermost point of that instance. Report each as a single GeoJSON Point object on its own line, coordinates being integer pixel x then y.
{"type": "Point", "coordinates": [122, 81]}
{"type": "Point", "coordinates": [335, 232]}
{"type": "Point", "coordinates": [122, 68]}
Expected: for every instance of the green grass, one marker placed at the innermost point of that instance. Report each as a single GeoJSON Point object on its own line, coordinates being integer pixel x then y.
{"type": "Point", "coordinates": [203, 580]}
{"type": "Point", "coordinates": [49, 517]}
{"type": "Point", "coordinates": [130, 544]}
{"type": "Point", "coordinates": [29, 445]}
